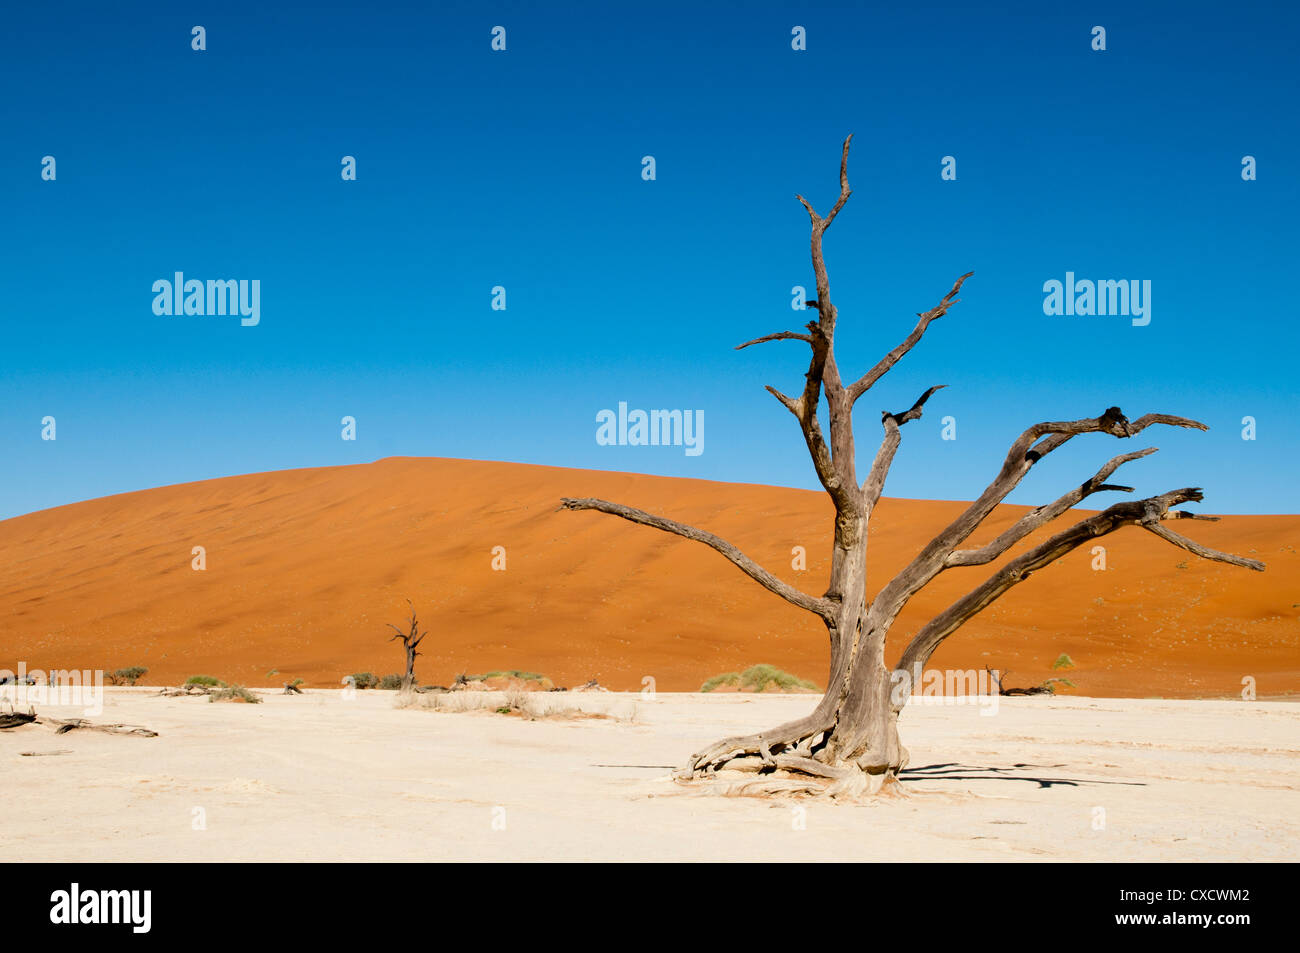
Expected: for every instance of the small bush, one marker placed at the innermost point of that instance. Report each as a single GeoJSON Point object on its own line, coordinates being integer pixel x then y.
{"type": "Point", "coordinates": [757, 678]}
{"type": "Point", "coordinates": [127, 676]}
{"type": "Point", "coordinates": [390, 683]}
{"type": "Point", "coordinates": [1063, 661]}
{"type": "Point", "coordinates": [235, 693]}
{"type": "Point", "coordinates": [207, 681]}
{"type": "Point", "coordinates": [1051, 683]}
{"type": "Point", "coordinates": [730, 678]}
{"type": "Point", "coordinates": [363, 679]}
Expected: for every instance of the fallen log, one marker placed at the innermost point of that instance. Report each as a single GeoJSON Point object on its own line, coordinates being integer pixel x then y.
{"type": "Point", "coordinates": [16, 719]}
{"type": "Point", "coordinates": [73, 724]}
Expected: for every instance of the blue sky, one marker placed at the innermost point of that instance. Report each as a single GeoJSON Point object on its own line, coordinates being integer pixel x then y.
{"type": "Point", "coordinates": [522, 169]}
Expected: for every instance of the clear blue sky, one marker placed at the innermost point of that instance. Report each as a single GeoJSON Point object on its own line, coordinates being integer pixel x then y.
{"type": "Point", "coordinates": [523, 169]}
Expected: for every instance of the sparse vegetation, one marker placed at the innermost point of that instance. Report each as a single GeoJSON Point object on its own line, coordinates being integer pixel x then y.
{"type": "Point", "coordinates": [758, 678]}
{"type": "Point", "coordinates": [235, 693]}
{"type": "Point", "coordinates": [531, 706]}
{"type": "Point", "coordinates": [1063, 661]}
{"type": "Point", "coordinates": [126, 676]}
{"type": "Point", "coordinates": [363, 680]}
{"type": "Point", "coordinates": [205, 681]}
{"type": "Point", "coordinates": [508, 673]}
{"type": "Point", "coordinates": [726, 678]}
{"type": "Point", "coordinates": [390, 683]}
{"type": "Point", "coordinates": [513, 674]}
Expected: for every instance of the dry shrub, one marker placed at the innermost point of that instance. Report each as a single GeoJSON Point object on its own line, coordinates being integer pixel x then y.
{"type": "Point", "coordinates": [530, 705]}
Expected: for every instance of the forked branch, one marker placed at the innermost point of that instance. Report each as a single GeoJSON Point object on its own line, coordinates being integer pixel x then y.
{"type": "Point", "coordinates": [874, 485]}
{"type": "Point", "coordinates": [864, 383]}
{"type": "Point", "coordinates": [1043, 515]}
{"type": "Point", "coordinates": [1145, 513]}
{"type": "Point", "coordinates": [414, 636]}
{"type": "Point", "coordinates": [1030, 447]}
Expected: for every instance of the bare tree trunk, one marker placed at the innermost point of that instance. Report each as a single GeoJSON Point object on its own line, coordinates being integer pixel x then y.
{"type": "Point", "coordinates": [411, 639]}
{"type": "Point", "coordinates": [408, 677]}
{"type": "Point", "coordinates": [850, 741]}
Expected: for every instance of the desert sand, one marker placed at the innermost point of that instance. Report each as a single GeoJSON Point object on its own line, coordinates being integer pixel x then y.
{"type": "Point", "coordinates": [322, 777]}
{"type": "Point", "coordinates": [306, 567]}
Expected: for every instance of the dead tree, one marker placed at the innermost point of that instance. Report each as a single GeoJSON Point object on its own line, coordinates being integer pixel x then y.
{"type": "Point", "coordinates": [16, 719]}
{"type": "Point", "coordinates": [852, 735]}
{"type": "Point", "coordinates": [410, 641]}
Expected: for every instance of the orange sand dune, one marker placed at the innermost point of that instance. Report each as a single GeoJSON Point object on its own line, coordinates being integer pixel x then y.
{"type": "Point", "coordinates": [305, 568]}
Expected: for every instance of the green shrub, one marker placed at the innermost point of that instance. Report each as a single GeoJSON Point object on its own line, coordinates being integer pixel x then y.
{"type": "Point", "coordinates": [235, 693]}
{"type": "Point", "coordinates": [730, 678]}
{"type": "Point", "coordinates": [757, 678]}
{"type": "Point", "coordinates": [390, 683]}
{"type": "Point", "coordinates": [207, 681]}
{"type": "Point", "coordinates": [363, 679]}
{"type": "Point", "coordinates": [127, 676]}
{"type": "Point", "coordinates": [1063, 661]}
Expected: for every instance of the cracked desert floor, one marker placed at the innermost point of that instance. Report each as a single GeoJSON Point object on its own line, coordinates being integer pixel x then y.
{"type": "Point", "coordinates": [327, 777]}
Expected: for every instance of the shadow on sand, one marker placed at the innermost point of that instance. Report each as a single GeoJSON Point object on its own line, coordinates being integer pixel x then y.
{"type": "Point", "coordinates": [954, 771]}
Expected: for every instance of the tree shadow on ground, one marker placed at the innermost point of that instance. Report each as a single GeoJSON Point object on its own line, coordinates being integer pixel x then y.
{"type": "Point", "coordinates": [954, 771]}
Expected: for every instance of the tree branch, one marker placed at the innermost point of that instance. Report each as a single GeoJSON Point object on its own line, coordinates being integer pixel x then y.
{"type": "Point", "coordinates": [1182, 542]}
{"type": "Point", "coordinates": [1145, 513]}
{"type": "Point", "coordinates": [874, 484]}
{"type": "Point", "coordinates": [1030, 447]}
{"type": "Point", "coordinates": [864, 383]}
{"type": "Point", "coordinates": [1044, 514]}
{"type": "Point", "coordinates": [845, 191]}
{"type": "Point", "coordinates": [834, 462]}
{"type": "Point", "coordinates": [820, 607]}
{"type": "Point", "coordinates": [778, 336]}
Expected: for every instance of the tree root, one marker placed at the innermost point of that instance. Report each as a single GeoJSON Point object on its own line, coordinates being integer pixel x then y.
{"type": "Point", "coordinates": [799, 739]}
{"type": "Point", "coordinates": [785, 762]}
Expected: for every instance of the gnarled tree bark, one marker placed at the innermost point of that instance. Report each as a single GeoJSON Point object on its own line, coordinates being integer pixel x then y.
{"type": "Point", "coordinates": [850, 741]}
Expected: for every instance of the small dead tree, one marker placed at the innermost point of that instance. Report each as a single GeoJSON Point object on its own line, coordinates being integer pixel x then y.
{"type": "Point", "coordinates": [411, 638]}
{"type": "Point", "coordinates": [850, 742]}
